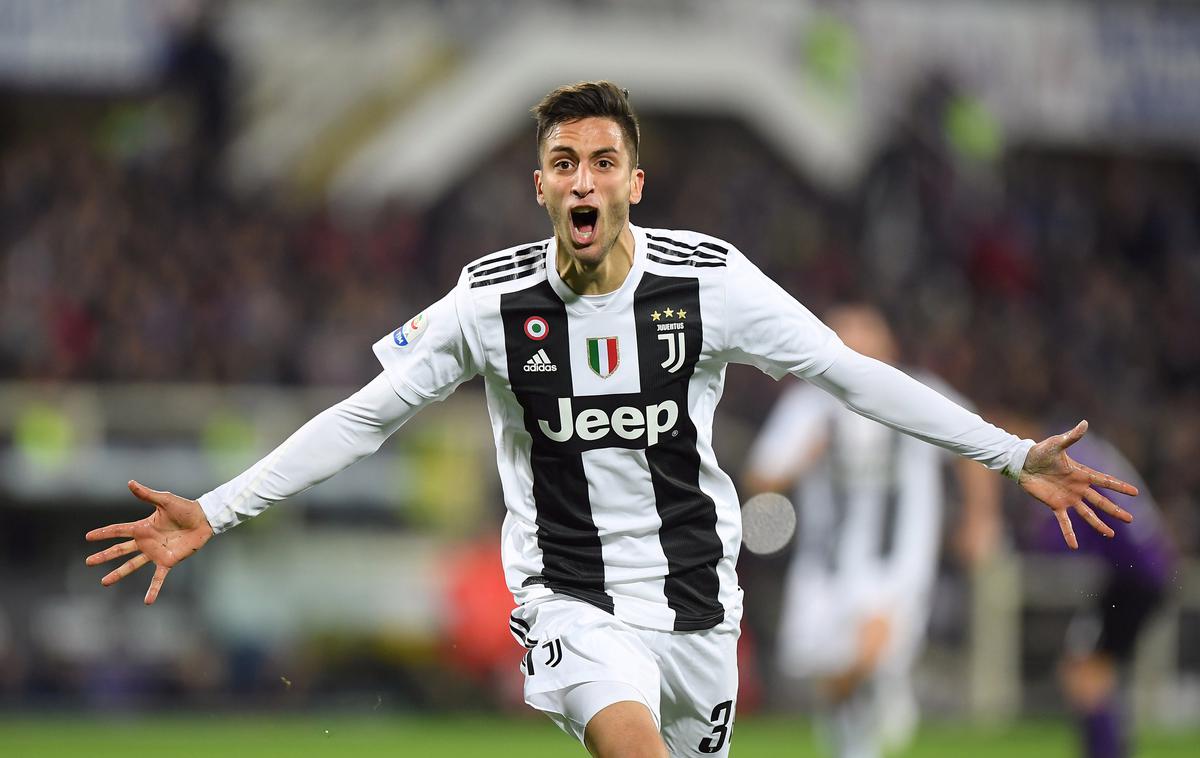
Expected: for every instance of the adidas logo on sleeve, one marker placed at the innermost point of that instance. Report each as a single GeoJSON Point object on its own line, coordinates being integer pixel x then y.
{"type": "Point", "coordinates": [540, 362]}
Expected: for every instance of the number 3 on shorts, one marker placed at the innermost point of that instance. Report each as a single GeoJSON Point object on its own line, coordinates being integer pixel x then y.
{"type": "Point", "coordinates": [720, 732]}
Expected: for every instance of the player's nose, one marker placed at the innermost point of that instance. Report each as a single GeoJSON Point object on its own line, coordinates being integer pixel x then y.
{"type": "Point", "coordinates": [583, 184]}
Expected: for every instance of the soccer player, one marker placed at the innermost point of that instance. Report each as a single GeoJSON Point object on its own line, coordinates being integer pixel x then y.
{"type": "Point", "coordinates": [603, 350]}
{"type": "Point", "coordinates": [1100, 643]}
{"type": "Point", "coordinates": [857, 595]}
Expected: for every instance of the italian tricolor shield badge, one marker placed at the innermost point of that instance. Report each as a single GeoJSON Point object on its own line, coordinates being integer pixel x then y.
{"type": "Point", "coordinates": [603, 356]}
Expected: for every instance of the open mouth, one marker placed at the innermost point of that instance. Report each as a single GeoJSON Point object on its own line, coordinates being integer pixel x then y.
{"type": "Point", "coordinates": [583, 224]}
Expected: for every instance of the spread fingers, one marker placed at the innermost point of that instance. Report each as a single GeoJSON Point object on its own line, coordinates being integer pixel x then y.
{"type": "Point", "coordinates": [116, 551]}
{"type": "Point", "coordinates": [1100, 501]}
{"type": "Point", "coordinates": [125, 569]}
{"type": "Point", "coordinates": [111, 531]}
{"type": "Point", "coordinates": [1093, 520]}
{"type": "Point", "coordinates": [160, 575]}
{"type": "Point", "coordinates": [1068, 531]}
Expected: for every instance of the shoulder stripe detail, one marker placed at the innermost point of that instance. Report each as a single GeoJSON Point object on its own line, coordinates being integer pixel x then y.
{"type": "Point", "coordinates": [722, 250]}
{"type": "Point", "coordinates": [693, 260]}
{"type": "Point", "coordinates": [525, 269]}
{"type": "Point", "coordinates": [696, 264]}
{"type": "Point", "coordinates": [498, 257]}
{"type": "Point", "coordinates": [506, 262]}
{"type": "Point", "coordinates": [701, 254]}
{"type": "Point", "coordinates": [683, 256]}
{"type": "Point", "coordinates": [517, 264]}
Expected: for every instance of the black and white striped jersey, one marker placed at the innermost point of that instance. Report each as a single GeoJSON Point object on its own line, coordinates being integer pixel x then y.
{"type": "Point", "coordinates": [869, 498]}
{"type": "Point", "coordinates": [602, 412]}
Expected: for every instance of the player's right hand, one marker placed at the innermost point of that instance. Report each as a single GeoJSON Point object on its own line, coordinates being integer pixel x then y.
{"type": "Point", "coordinates": [176, 529]}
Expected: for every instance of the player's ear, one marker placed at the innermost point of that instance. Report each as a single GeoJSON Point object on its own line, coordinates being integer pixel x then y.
{"type": "Point", "coordinates": [636, 180]}
{"type": "Point", "coordinates": [537, 186]}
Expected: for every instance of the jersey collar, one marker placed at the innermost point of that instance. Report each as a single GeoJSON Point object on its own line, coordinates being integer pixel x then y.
{"type": "Point", "coordinates": [579, 304]}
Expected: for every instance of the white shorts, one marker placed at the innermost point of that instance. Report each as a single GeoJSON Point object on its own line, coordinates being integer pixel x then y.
{"type": "Point", "coordinates": [688, 680]}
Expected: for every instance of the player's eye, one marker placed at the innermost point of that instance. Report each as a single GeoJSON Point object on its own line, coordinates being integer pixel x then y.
{"type": "Point", "coordinates": [562, 164]}
{"type": "Point", "coordinates": [604, 163]}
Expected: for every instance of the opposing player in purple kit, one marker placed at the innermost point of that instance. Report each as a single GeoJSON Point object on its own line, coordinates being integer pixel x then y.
{"type": "Point", "coordinates": [1137, 571]}
{"type": "Point", "coordinates": [603, 351]}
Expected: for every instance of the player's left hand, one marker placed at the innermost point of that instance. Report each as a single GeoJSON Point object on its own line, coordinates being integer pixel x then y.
{"type": "Point", "coordinates": [1065, 485]}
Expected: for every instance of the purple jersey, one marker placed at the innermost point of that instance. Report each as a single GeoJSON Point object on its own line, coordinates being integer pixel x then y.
{"type": "Point", "coordinates": [1140, 550]}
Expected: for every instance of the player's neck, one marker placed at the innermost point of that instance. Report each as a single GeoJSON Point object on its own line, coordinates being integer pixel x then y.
{"type": "Point", "coordinates": [600, 277]}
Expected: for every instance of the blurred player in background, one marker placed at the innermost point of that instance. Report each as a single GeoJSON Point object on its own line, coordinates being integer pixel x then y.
{"type": "Point", "coordinates": [603, 351]}
{"type": "Point", "coordinates": [858, 591]}
{"type": "Point", "coordinates": [1137, 570]}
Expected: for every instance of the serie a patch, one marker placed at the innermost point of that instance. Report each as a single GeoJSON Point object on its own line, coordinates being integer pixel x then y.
{"type": "Point", "coordinates": [411, 331]}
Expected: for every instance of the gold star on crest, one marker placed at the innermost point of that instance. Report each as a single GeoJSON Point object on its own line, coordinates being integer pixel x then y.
{"type": "Point", "coordinates": [668, 312]}
{"type": "Point", "coordinates": [655, 316]}
{"type": "Point", "coordinates": [681, 313]}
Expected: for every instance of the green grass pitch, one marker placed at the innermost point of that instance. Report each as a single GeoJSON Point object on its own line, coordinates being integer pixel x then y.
{"type": "Point", "coordinates": [494, 737]}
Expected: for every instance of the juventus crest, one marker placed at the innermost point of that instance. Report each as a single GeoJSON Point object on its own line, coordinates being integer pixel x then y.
{"type": "Point", "coordinates": [675, 351]}
{"type": "Point", "coordinates": [672, 333]}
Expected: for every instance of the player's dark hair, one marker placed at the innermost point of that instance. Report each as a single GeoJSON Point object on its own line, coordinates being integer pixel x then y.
{"type": "Point", "coordinates": [572, 102]}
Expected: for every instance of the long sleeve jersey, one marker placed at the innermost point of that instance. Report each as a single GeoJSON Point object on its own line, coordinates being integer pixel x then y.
{"type": "Point", "coordinates": [602, 410]}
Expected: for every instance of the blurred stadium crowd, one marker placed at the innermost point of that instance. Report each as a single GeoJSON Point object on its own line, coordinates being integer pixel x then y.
{"type": "Point", "coordinates": [1060, 280]}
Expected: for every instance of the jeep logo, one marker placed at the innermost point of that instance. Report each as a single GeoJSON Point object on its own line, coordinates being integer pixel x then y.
{"type": "Point", "coordinates": [626, 421]}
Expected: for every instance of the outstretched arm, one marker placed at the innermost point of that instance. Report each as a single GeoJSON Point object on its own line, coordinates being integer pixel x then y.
{"type": "Point", "coordinates": [178, 527]}
{"type": "Point", "coordinates": [885, 394]}
{"type": "Point", "coordinates": [329, 443]}
{"type": "Point", "coordinates": [768, 328]}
